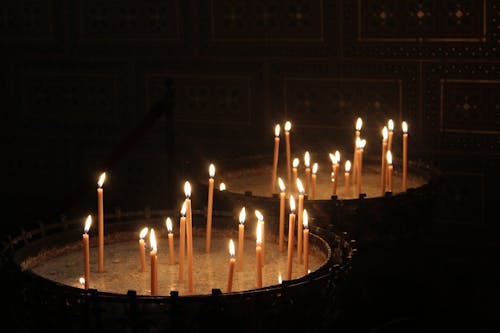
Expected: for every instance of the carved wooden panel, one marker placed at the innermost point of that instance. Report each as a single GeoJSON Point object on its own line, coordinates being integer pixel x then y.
{"type": "Point", "coordinates": [462, 106]}
{"type": "Point", "coordinates": [421, 28]}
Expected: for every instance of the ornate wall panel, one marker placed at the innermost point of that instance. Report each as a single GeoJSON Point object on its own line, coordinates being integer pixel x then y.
{"type": "Point", "coordinates": [421, 28]}
{"type": "Point", "coordinates": [462, 106]}
{"type": "Point", "coordinates": [269, 27]}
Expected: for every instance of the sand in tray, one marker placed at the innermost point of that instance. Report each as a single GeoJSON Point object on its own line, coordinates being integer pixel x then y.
{"type": "Point", "coordinates": [210, 270]}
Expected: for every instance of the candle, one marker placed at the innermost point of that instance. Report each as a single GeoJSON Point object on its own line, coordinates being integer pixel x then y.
{"type": "Point", "coordinates": [291, 227]}
{"type": "Point", "coordinates": [82, 281]}
{"type": "Point", "coordinates": [383, 172]}
{"type": "Point", "coordinates": [275, 157]}
{"type": "Point", "coordinates": [334, 160]}
{"type": "Point", "coordinates": [305, 222]}
{"type": "Point", "coordinates": [142, 248]}
{"type": "Point", "coordinates": [241, 238]}
{"type": "Point", "coordinates": [296, 163]}
{"type": "Point", "coordinates": [314, 171]}
{"type": "Point", "coordinates": [347, 184]}
{"type": "Point", "coordinates": [359, 125]}
{"type": "Point", "coordinates": [182, 241]}
{"type": "Point", "coordinates": [154, 263]}
{"type": "Point", "coordinates": [389, 171]}
{"type": "Point", "coordinates": [211, 171]}
{"type": "Point", "coordinates": [86, 251]}
{"type": "Point", "coordinates": [404, 126]}
{"type": "Point", "coordinates": [362, 144]}
{"type": "Point", "coordinates": [100, 222]}
{"type": "Point", "coordinates": [299, 224]}
{"type": "Point", "coordinates": [231, 266]}
{"type": "Point", "coordinates": [170, 236]}
{"type": "Point", "coordinates": [260, 220]}
{"type": "Point", "coordinates": [281, 235]}
{"type": "Point", "coordinates": [334, 185]}
{"type": "Point", "coordinates": [222, 187]}
{"type": "Point", "coordinates": [307, 164]}
{"type": "Point", "coordinates": [258, 254]}
{"type": "Point", "coordinates": [288, 127]}
{"type": "Point", "coordinates": [189, 234]}
{"type": "Point", "coordinates": [390, 127]}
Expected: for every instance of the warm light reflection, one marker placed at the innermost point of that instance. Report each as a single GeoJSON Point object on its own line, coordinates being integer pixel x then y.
{"type": "Point", "coordinates": [389, 157]}
{"type": "Point", "coordinates": [101, 180]}
{"type": "Point", "coordinates": [277, 130]}
{"type": "Point", "coordinates": [259, 233]}
{"type": "Point", "coordinates": [307, 159]}
{"type": "Point", "coordinates": [295, 162]}
{"type": "Point", "coordinates": [300, 187]}
{"type": "Point", "coordinates": [358, 142]}
{"type": "Point", "coordinates": [337, 156]}
{"type": "Point", "coordinates": [362, 144]}
{"type": "Point", "coordinates": [390, 125]}
{"type": "Point", "coordinates": [187, 189]}
{"type": "Point", "coordinates": [292, 203]}
{"type": "Point", "coordinates": [82, 281]}
{"type": "Point", "coordinates": [260, 217]}
{"type": "Point", "coordinates": [333, 158]}
{"type": "Point", "coordinates": [152, 240]}
{"type": "Point", "coordinates": [280, 279]}
{"type": "Point", "coordinates": [385, 133]}
{"type": "Point", "coordinates": [315, 168]}
{"type": "Point", "coordinates": [281, 184]}
{"type": "Point", "coordinates": [305, 219]}
{"type": "Point", "coordinates": [243, 215]}
{"type": "Point", "coordinates": [288, 126]}
{"type": "Point", "coordinates": [88, 223]}
{"type": "Point", "coordinates": [232, 252]}
{"type": "Point", "coordinates": [222, 187]}
{"type": "Point", "coordinates": [143, 232]}
{"type": "Point", "coordinates": [404, 127]}
{"type": "Point", "coordinates": [332, 176]}
{"type": "Point", "coordinates": [359, 124]}
{"type": "Point", "coordinates": [211, 170]}
{"type": "Point", "coordinates": [168, 222]}
{"type": "Point", "coordinates": [347, 166]}
{"type": "Point", "coordinates": [184, 208]}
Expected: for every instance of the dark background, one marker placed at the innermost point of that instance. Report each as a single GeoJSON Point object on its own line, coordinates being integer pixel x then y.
{"type": "Point", "coordinates": [81, 89]}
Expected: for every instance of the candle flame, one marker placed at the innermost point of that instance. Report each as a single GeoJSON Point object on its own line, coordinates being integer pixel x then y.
{"type": "Point", "coordinates": [152, 240]}
{"type": "Point", "coordinates": [277, 130]}
{"type": "Point", "coordinates": [390, 125]}
{"type": "Point", "coordinates": [307, 159]}
{"type": "Point", "coordinates": [358, 142]}
{"type": "Point", "coordinates": [222, 187]}
{"type": "Point", "coordinates": [295, 162]}
{"type": "Point", "coordinates": [211, 170]}
{"type": "Point", "coordinates": [101, 180]}
{"type": "Point", "coordinates": [82, 280]}
{"type": "Point", "coordinates": [389, 157]}
{"type": "Point", "coordinates": [143, 232]}
{"type": "Point", "coordinates": [260, 217]}
{"type": "Point", "coordinates": [315, 168]}
{"type": "Point", "coordinates": [300, 187]}
{"type": "Point", "coordinates": [359, 124]}
{"type": "Point", "coordinates": [337, 156]}
{"type": "Point", "coordinates": [168, 222]}
{"type": "Point", "coordinates": [184, 208]}
{"type": "Point", "coordinates": [187, 189]}
{"type": "Point", "coordinates": [280, 279]}
{"type": "Point", "coordinates": [305, 219]}
{"type": "Point", "coordinates": [88, 223]}
{"type": "Point", "coordinates": [243, 215]}
{"type": "Point", "coordinates": [281, 184]}
{"type": "Point", "coordinates": [292, 203]}
{"type": "Point", "coordinates": [232, 252]}
{"type": "Point", "coordinates": [404, 126]}
{"type": "Point", "coordinates": [347, 166]}
{"type": "Point", "coordinates": [362, 144]}
{"type": "Point", "coordinates": [288, 126]}
{"type": "Point", "coordinates": [259, 233]}
{"type": "Point", "coordinates": [385, 133]}
{"type": "Point", "coordinates": [333, 158]}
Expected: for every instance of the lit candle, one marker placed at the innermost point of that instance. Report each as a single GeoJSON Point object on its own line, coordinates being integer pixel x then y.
{"type": "Point", "coordinates": [280, 280]}
{"type": "Point", "coordinates": [314, 171]}
{"type": "Point", "coordinates": [299, 224]}
{"type": "Point", "coordinates": [82, 281]}
{"type": "Point", "coordinates": [305, 222]}
{"type": "Point", "coordinates": [362, 144]}
{"type": "Point", "coordinates": [383, 173]}
{"type": "Point", "coordinates": [170, 236]}
{"type": "Point", "coordinates": [390, 127]}
{"type": "Point", "coordinates": [86, 251]}
{"type": "Point", "coordinates": [307, 165]}
{"type": "Point", "coordinates": [275, 157]}
{"type": "Point", "coordinates": [260, 219]}
{"type": "Point", "coordinates": [231, 266]}
{"type": "Point", "coordinates": [359, 125]}
{"type": "Point", "coordinates": [334, 160]}
{"type": "Point", "coordinates": [211, 171]}
{"type": "Point", "coordinates": [142, 248]}
{"type": "Point", "coordinates": [404, 126]}
{"type": "Point", "coordinates": [241, 238]}
{"type": "Point", "coordinates": [346, 178]}
{"type": "Point", "coordinates": [189, 234]}
{"type": "Point", "coordinates": [389, 171]}
{"type": "Point", "coordinates": [222, 187]}
{"type": "Point", "coordinates": [182, 241]}
{"type": "Point", "coordinates": [334, 185]}
{"type": "Point", "coordinates": [258, 254]}
{"type": "Point", "coordinates": [291, 227]}
{"type": "Point", "coordinates": [288, 127]}
{"type": "Point", "coordinates": [154, 263]}
{"type": "Point", "coordinates": [336, 166]}
{"type": "Point", "coordinates": [100, 222]}
{"type": "Point", "coordinates": [282, 215]}
{"type": "Point", "coordinates": [296, 163]}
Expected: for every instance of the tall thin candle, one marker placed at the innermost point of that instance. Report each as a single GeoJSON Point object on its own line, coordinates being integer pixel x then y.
{"type": "Point", "coordinates": [288, 127]}
{"type": "Point", "coordinates": [275, 157]}
{"type": "Point", "coordinates": [390, 127]}
{"type": "Point", "coordinates": [241, 238]}
{"type": "Point", "coordinates": [258, 254]}
{"type": "Point", "coordinates": [189, 234]}
{"type": "Point", "coordinates": [260, 219]}
{"type": "Point", "coordinates": [211, 172]}
{"type": "Point", "coordinates": [305, 222]}
{"type": "Point", "coordinates": [359, 125]}
{"type": "Point", "coordinates": [281, 235]}
{"type": "Point", "coordinates": [182, 241]}
{"type": "Point", "coordinates": [291, 227]}
{"type": "Point", "coordinates": [231, 266]}
{"type": "Point", "coordinates": [336, 165]}
{"type": "Point", "coordinates": [100, 222]}
{"type": "Point", "coordinates": [361, 147]}
{"type": "Point", "coordinates": [86, 251]}
{"type": "Point", "coordinates": [170, 236]}
{"type": "Point", "coordinates": [154, 263]}
{"type": "Point", "coordinates": [296, 163]}
{"type": "Point", "coordinates": [142, 248]}
{"type": "Point", "coordinates": [389, 171]}
{"type": "Point", "coordinates": [313, 179]}
{"type": "Point", "coordinates": [334, 160]}
{"type": "Point", "coordinates": [347, 181]}
{"type": "Point", "coordinates": [383, 172]}
{"type": "Point", "coordinates": [405, 155]}
{"type": "Point", "coordinates": [299, 224]}
{"type": "Point", "coordinates": [307, 165]}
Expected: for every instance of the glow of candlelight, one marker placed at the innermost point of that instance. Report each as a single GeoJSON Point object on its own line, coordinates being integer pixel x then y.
{"type": "Point", "coordinates": [359, 124]}
{"type": "Point", "coordinates": [187, 189]}
{"type": "Point", "coordinates": [385, 133]}
{"type": "Point", "coordinates": [211, 171]}
{"type": "Point", "coordinates": [88, 223]}
{"type": "Point", "coordinates": [280, 279]}
{"type": "Point", "coordinates": [168, 222]}
{"type": "Point", "coordinates": [347, 166]}
{"type": "Point", "coordinates": [305, 219]}
{"type": "Point", "coordinates": [222, 187]}
{"type": "Point", "coordinates": [358, 142]}
{"type": "Point", "coordinates": [295, 162]}
{"type": "Point", "coordinates": [260, 217]}
{"type": "Point", "coordinates": [288, 126]}
{"type": "Point", "coordinates": [242, 215]}
{"type": "Point", "coordinates": [277, 130]}
{"type": "Point", "coordinates": [232, 251]}
{"type": "Point", "coordinates": [101, 180]}
{"type": "Point", "coordinates": [292, 203]}
{"type": "Point", "coordinates": [337, 156]}
{"type": "Point", "coordinates": [362, 143]}
{"type": "Point", "coordinates": [307, 159]}
{"type": "Point", "coordinates": [259, 234]}
{"type": "Point", "coordinates": [143, 232]}
{"type": "Point", "coordinates": [390, 125]}
{"type": "Point", "coordinates": [300, 186]}
{"type": "Point", "coordinates": [315, 168]}
{"type": "Point", "coordinates": [81, 280]}
{"type": "Point", "coordinates": [152, 240]}
{"type": "Point", "coordinates": [184, 209]}
{"type": "Point", "coordinates": [404, 127]}
{"type": "Point", "coordinates": [333, 158]}
{"type": "Point", "coordinates": [332, 176]}
{"type": "Point", "coordinates": [389, 157]}
{"type": "Point", "coordinates": [281, 184]}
